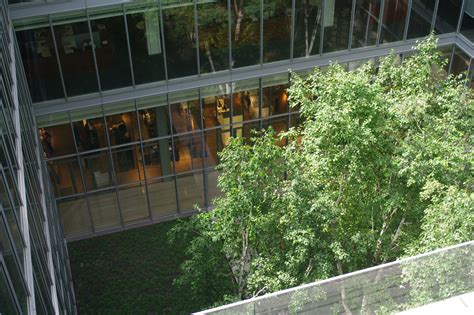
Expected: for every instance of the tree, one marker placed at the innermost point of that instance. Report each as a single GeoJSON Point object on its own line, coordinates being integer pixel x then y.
{"type": "Point", "coordinates": [382, 155]}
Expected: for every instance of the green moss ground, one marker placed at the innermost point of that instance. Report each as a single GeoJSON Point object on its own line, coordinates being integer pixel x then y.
{"type": "Point", "coordinates": [129, 272]}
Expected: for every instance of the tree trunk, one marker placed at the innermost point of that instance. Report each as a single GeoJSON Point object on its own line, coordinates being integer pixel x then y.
{"type": "Point", "coordinates": [240, 14]}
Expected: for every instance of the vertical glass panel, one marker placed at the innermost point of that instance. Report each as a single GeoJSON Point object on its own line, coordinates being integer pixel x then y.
{"type": "Point", "coordinates": [75, 216]}
{"type": "Point", "coordinates": [337, 22]}
{"type": "Point", "coordinates": [448, 16]}
{"type": "Point", "coordinates": [245, 33]}
{"type": "Point", "coordinates": [158, 157]}
{"type": "Point", "coordinates": [40, 63]}
{"type": "Point", "coordinates": [247, 130]}
{"type": "Point", "coordinates": [276, 30]}
{"type": "Point", "coordinates": [214, 142]}
{"type": "Point", "coordinates": [180, 38]}
{"type": "Point", "coordinates": [122, 123]}
{"type": "Point", "coordinates": [471, 74]}
{"type": "Point", "coordinates": [215, 103]}
{"type": "Point", "coordinates": [96, 168]}
{"type": "Point", "coordinates": [246, 100]}
{"type": "Point", "coordinates": [88, 125]}
{"type": "Point", "coordinates": [133, 203]}
{"type": "Point", "coordinates": [307, 28]}
{"type": "Point", "coordinates": [275, 95]}
{"type": "Point", "coordinates": [467, 27]}
{"type": "Point", "coordinates": [57, 140]}
{"type": "Point", "coordinates": [188, 152]}
{"type": "Point", "coordinates": [65, 176]}
{"type": "Point", "coordinates": [75, 53]}
{"type": "Point", "coordinates": [420, 18]}
{"type": "Point", "coordinates": [212, 190]}
{"type": "Point", "coordinates": [128, 164]}
{"type": "Point", "coordinates": [460, 62]}
{"type": "Point", "coordinates": [185, 111]}
{"type": "Point", "coordinates": [279, 124]}
{"type": "Point", "coordinates": [111, 49]}
{"type": "Point", "coordinates": [146, 45]}
{"type": "Point", "coordinates": [213, 35]}
{"type": "Point", "coordinates": [153, 117]}
{"type": "Point", "coordinates": [190, 191]}
{"type": "Point", "coordinates": [366, 20]}
{"type": "Point", "coordinates": [6, 303]}
{"type": "Point", "coordinates": [104, 209]}
{"type": "Point", "coordinates": [162, 194]}
{"type": "Point", "coordinates": [394, 19]}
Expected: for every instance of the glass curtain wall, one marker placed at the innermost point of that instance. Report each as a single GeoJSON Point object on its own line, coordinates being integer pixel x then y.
{"type": "Point", "coordinates": [366, 21]}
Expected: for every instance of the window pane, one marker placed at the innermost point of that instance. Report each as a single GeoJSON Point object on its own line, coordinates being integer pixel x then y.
{"type": "Point", "coordinates": [111, 51]}
{"type": "Point", "coordinates": [213, 35]}
{"type": "Point", "coordinates": [337, 19]}
{"type": "Point", "coordinates": [158, 158]}
{"type": "Point", "coordinates": [245, 33]}
{"type": "Point", "coordinates": [123, 128]}
{"type": "Point", "coordinates": [162, 193]}
{"type": "Point", "coordinates": [214, 142]}
{"type": "Point", "coordinates": [40, 63]}
{"type": "Point", "coordinates": [65, 176]}
{"type": "Point", "coordinates": [190, 191]}
{"type": "Point", "coordinates": [6, 303]}
{"type": "Point", "coordinates": [57, 140]}
{"type": "Point", "coordinates": [246, 100]}
{"type": "Point", "coordinates": [153, 117]}
{"type": "Point", "coordinates": [394, 19]}
{"type": "Point", "coordinates": [188, 152]}
{"type": "Point", "coordinates": [133, 203]}
{"type": "Point", "coordinates": [307, 28]}
{"type": "Point", "coordinates": [420, 18]}
{"type": "Point", "coordinates": [366, 19]}
{"type": "Point", "coordinates": [460, 62]}
{"type": "Point", "coordinates": [89, 129]}
{"type": "Point", "coordinates": [105, 210]}
{"type": "Point", "coordinates": [185, 111]}
{"type": "Point", "coordinates": [75, 53]}
{"type": "Point", "coordinates": [146, 45]}
{"type": "Point", "coordinates": [180, 39]}
{"type": "Point", "coordinates": [212, 190]}
{"type": "Point", "coordinates": [467, 28]}
{"type": "Point", "coordinates": [447, 16]}
{"type": "Point", "coordinates": [275, 94]}
{"type": "Point", "coordinates": [75, 216]}
{"type": "Point", "coordinates": [96, 168]}
{"type": "Point", "coordinates": [276, 30]}
{"type": "Point", "coordinates": [215, 102]}
{"type": "Point", "coordinates": [128, 164]}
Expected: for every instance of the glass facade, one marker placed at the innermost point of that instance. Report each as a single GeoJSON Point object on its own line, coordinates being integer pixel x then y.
{"type": "Point", "coordinates": [128, 45]}
{"type": "Point", "coordinates": [34, 267]}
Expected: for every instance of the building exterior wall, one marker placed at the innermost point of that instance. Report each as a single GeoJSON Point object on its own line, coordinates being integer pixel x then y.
{"type": "Point", "coordinates": [34, 267]}
{"type": "Point", "coordinates": [134, 100]}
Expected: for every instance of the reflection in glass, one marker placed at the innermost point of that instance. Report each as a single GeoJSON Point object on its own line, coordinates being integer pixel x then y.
{"type": "Point", "coordinates": [276, 30]}
{"type": "Point", "coordinates": [337, 17]}
{"type": "Point", "coordinates": [128, 164]}
{"type": "Point", "coordinates": [57, 140]}
{"type": "Point", "coordinates": [307, 28]}
{"type": "Point", "coordinates": [467, 27]}
{"type": "Point", "coordinates": [133, 203]}
{"type": "Point", "coordinates": [111, 51]}
{"type": "Point", "coordinates": [247, 130]}
{"type": "Point", "coordinates": [366, 20]}
{"type": "Point", "coordinates": [190, 191]}
{"type": "Point", "coordinates": [215, 104]}
{"type": "Point", "coordinates": [279, 124]}
{"type": "Point", "coordinates": [188, 152]}
{"type": "Point", "coordinates": [40, 64]}
{"type": "Point", "coordinates": [75, 53]}
{"type": "Point", "coordinates": [394, 19]}
{"type": "Point", "coordinates": [214, 141]}
{"type": "Point", "coordinates": [162, 194]}
{"type": "Point", "coordinates": [122, 128]}
{"type": "Point", "coordinates": [65, 176]}
{"type": "Point", "coordinates": [420, 18]}
{"type": "Point", "coordinates": [245, 33]}
{"type": "Point", "coordinates": [448, 16]}
{"type": "Point", "coordinates": [213, 35]}
{"type": "Point", "coordinates": [96, 169]}
{"type": "Point", "coordinates": [212, 190]}
{"type": "Point", "coordinates": [104, 209]}
{"type": "Point", "coordinates": [275, 95]}
{"type": "Point", "coordinates": [246, 100]}
{"type": "Point", "coordinates": [146, 46]}
{"type": "Point", "coordinates": [75, 215]}
{"type": "Point", "coordinates": [180, 39]}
